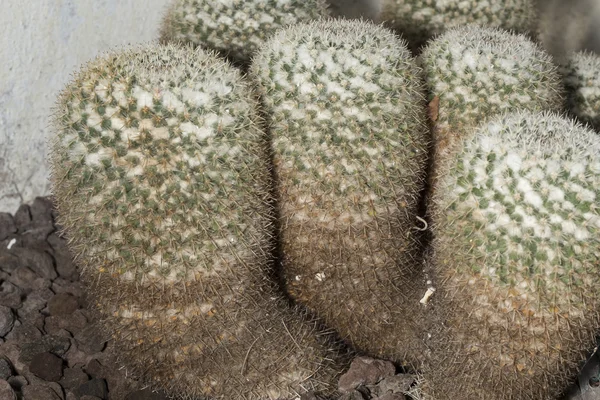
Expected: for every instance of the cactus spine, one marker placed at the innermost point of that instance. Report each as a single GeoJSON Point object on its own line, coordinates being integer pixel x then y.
{"type": "Point", "coordinates": [160, 176]}
{"type": "Point", "coordinates": [516, 224]}
{"type": "Point", "coordinates": [347, 116]}
{"type": "Point", "coordinates": [235, 27]}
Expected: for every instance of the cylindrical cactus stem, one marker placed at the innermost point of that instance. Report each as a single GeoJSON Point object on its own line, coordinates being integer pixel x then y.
{"type": "Point", "coordinates": [346, 110]}
{"type": "Point", "coordinates": [160, 174]}
{"type": "Point", "coordinates": [235, 28]}
{"type": "Point", "coordinates": [582, 82]}
{"type": "Point", "coordinates": [419, 20]}
{"type": "Point", "coordinates": [516, 249]}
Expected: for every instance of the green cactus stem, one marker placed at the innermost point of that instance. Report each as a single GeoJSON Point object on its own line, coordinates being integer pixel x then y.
{"type": "Point", "coordinates": [346, 110]}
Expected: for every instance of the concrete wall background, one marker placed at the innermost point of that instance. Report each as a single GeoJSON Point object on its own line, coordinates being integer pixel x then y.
{"type": "Point", "coordinates": [42, 42]}
{"type": "Point", "coordinates": [569, 25]}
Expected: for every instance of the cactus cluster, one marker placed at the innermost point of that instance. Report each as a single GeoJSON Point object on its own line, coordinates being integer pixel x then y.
{"type": "Point", "coordinates": [199, 201]}
{"type": "Point", "coordinates": [161, 179]}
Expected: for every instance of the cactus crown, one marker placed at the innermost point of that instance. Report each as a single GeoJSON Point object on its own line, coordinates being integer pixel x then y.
{"type": "Point", "coordinates": [530, 181]}
{"type": "Point", "coordinates": [419, 20]}
{"type": "Point", "coordinates": [142, 138]}
{"type": "Point", "coordinates": [480, 71]}
{"type": "Point", "coordinates": [582, 79]}
{"type": "Point", "coordinates": [342, 88]}
{"type": "Point", "coordinates": [235, 27]}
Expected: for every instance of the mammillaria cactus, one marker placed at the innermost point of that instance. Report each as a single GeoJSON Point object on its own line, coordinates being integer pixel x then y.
{"type": "Point", "coordinates": [473, 73]}
{"type": "Point", "coordinates": [347, 116]}
{"type": "Point", "coordinates": [235, 27]}
{"type": "Point", "coordinates": [582, 80]}
{"type": "Point", "coordinates": [162, 186]}
{"type": "Point", "coordinates": [420, 20]}
{"type": "Point", "coordinates": [516, 249]}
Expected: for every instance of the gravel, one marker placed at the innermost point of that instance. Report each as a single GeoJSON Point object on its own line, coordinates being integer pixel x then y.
{"type": "Point", "coordinates": [51, 348]}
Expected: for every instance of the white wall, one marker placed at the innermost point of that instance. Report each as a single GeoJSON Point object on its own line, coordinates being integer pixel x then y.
{"type": "Point", "coordinates": [41, 43]}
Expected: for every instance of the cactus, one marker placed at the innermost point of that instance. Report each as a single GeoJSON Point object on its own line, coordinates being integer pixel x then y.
{"type": "Point", "coordinates": [473, 73]}
{"type": "Point", "coordinates": [421, 20]}
{"type": "Point", "coordinates": [582, 81]}
{"type": "Point", "coordinates": [160, 173]}
{"type": "Point", "coordinates": [516, 247]}
{"type": "Point", "coordinates": [234, 27]}
{"type": "Point", "coordinates": [346, 111]}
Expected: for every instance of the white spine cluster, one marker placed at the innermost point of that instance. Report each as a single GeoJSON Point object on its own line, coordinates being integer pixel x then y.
{"type": "Point", "coordinates": [582, 81]}
{"type": "Point", "coordinates": [235, 27]}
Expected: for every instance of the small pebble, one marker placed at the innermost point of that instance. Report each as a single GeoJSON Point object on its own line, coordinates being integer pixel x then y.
{"type": "Point", "coordinates": [24, 333]}
{"type": "Point", "coordinates": [62, 285]}
{"type": "Point", "coordinates": [49, 343]}
{"type": "Point", "coordinates": [6, 391]}
{"type": "Point", "coordinates": [39, 392]}
{"type": "Point", "coordinates": [10, 295]}
{"type": "Point", "coordinates": [5, 369]}
{"type": "Point", "coordinates": [94, 387]}
{"type": "Point", "coordinates": [35, 237]}
{"type": "Point", "coordinates": [65, 266]}
{"type": "Point", "coordinates": [95, 369]}
{"type": "Point", "coordinates": [18, 381]}
{"type": "Point", "coordinates": [365, 371]}
{"type": "Point", "coordinates": [22, 217]}
{"type": "Point", "coordinates": [25, 278]}
{"type": "Point", "coordinates": [400, 383]}
{"type": "Point", "coordinates": [7, 225]}
{"type": "Point", "coordinates": [91, 339]}
{"type": "Point", "coordinates": [73, 323]}
{"type": "Point", "coordinates": [34, 302]}
{"type": "Point", "coordinates": [57, 389]}
{"type": "Point", "coordinates": [62, 304]}
{"type": "Point", "coordinates": [47, 366]}
{"type": "Point", "coordinates": [41, 210]}
{"type": "Point", "coordinates": [38, 261]}
{"type": "Point", "coordinates": [8, 261]}
{"type": "Point", "coordinates": [73, 377]}
{"type": "Point", "coordinates": [72, 396]}
{"type": "Point", "coordinates": [7, 320]}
